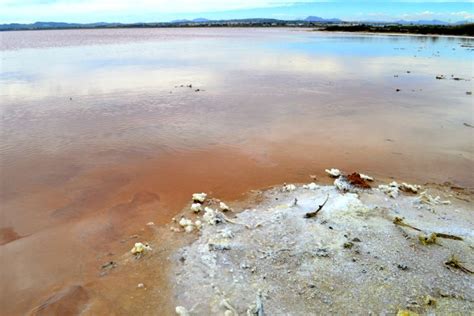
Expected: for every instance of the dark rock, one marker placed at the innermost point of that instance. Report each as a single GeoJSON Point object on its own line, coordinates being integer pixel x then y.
{"type": "Point", "coordinates": [348, 245]}
{"type": "Point", "coordinates": [402, 267]}
{"type": "Point", "coordinates": [109, 265]}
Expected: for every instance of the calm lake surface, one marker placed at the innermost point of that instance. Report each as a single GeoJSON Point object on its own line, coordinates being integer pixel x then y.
{"type": "Point", "coordinates": [101, 131]}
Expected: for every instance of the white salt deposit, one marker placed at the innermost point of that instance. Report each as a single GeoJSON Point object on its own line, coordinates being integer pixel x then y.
{"type": "Point", "coordinates": [348, 259]}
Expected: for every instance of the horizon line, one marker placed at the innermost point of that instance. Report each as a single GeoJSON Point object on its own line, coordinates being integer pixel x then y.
{"type": "Point", "coordinates": [193, 20]}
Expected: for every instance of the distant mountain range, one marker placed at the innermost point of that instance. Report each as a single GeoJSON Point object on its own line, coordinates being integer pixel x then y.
{"type": "Point", "coordinates": [322, 20]}
{"type": "Point", "coordinates": [55, 25]}
{"type": "Point", "coordinates": [431, 22]}
{"type": "Point", "coordinates": [198, 21]}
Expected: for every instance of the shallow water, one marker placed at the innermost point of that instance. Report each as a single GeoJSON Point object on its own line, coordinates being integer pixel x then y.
{"type": "Point", "coordinates": [101, 134]}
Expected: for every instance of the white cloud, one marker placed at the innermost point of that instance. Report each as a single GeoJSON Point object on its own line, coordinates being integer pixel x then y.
{"type": "Point", "coordinates": [162, 6]}
{"type": "Point", "coordinates": [437, 15]}
{"type": "Point", "coordinates": [79, 10]}
{"type": "Point", "coordinates": [463, 14]}
{"type": "Point", "coordinates": [163, 10]}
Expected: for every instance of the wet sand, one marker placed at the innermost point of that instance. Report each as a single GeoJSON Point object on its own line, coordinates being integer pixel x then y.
{"type": "Point", "coordinates": [89, 159]}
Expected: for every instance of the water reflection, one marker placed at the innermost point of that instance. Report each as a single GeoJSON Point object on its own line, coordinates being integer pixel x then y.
{"type": "Point", "coordinates": [109, 95]}
{"type": "Point", "coordinates": [86, 70]}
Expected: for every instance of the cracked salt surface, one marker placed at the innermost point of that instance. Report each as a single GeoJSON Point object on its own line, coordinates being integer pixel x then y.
{"type": "Point", "coordinates": [349, 259]}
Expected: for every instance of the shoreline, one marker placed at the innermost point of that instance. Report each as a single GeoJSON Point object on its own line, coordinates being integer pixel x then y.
{"type": "Point", "coordinates": [362, 33]}
{"type": "Point", "coordinates": [168, 272]}
{"type": "Point", "coordinates": [298, 28]}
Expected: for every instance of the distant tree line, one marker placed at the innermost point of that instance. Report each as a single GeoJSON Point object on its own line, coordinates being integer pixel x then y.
{"type": "Point", "coordinates": [461, 30]}
{"type": "Point", "coordinates": [328, 25]}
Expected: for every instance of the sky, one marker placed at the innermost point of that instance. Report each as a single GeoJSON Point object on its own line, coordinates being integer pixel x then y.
{"type": "Point", "coordinates": [125, 11]}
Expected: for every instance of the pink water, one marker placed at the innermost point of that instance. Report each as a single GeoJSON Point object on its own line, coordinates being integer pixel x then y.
{"type": "Point", "coordinates": [100, 133]}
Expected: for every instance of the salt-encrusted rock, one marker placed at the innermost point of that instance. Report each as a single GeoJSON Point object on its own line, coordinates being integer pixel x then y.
{"type": "Point", "coordinates": [199, 197]}
{"type": "Point", "coordinates": [140, 248]}
{"type": "Point", "coordinates": [333, 172]}
{"type": "Point", "coordinates": [342, 185]}
{"type": "Point", "coordinates": [227, 233]}
{"type": "Point", "coordinates": [351, 183]}
{"type": "Point", "coordinates": [188, 225]}
{"type": "Point", "coordinates": [390, 189]}
{"type": "Point", "coordinates": [198, 224]}
{"type": "Point", "coordinates": [211, 216]}
{"type": "Point", "coordinates": [224, 207]}
{"type": "Point", "coordinates": [183, 222]}
{"type": "Point", "coordinates": [366, 177]}
{"type": "Point", "coordinates": [428, 199]}
{"type": "Point", "coordinates": [394, 188]}
{"type": "Point", "coordinates": [311, 186]}
{"type": "Point", "coordinates": [196, 207]}
{"type": "Point", "coordinates": [409, 187]}
{"type": "Point", "coordinates": [289, 188]}
{"type": "Point", "coordinates": [229, 313]}
{"type": "Point", "coordinates": [181, 311]}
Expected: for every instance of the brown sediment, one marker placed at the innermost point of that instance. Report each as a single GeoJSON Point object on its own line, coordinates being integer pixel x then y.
{"type": "Point", "coordinates": [94, 226]}
{"type": "Point", "coordinates": [8, 234]}
{"type": "Point", "coordinates": [68, 301]}
{"type": "Point", "coordinates": [117, 293]}
{"type": "Point", "coordinates": [356, 180]}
